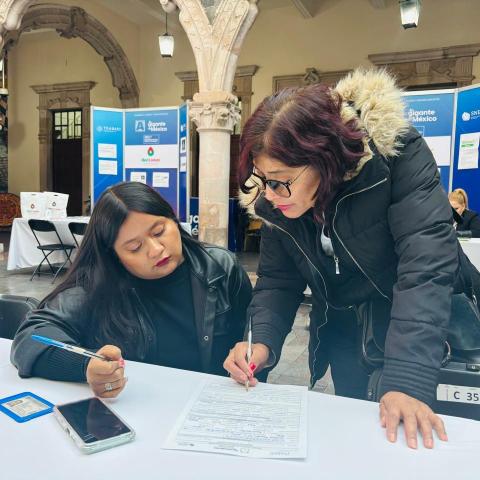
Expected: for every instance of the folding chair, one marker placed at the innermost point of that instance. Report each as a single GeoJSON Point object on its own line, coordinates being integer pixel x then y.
{"type": "Point", "coordinates": [77, 228]}
{"type": "Point", "coordinates": [48, 249]}
{"type": "Point", "coordinates": [13, 309]}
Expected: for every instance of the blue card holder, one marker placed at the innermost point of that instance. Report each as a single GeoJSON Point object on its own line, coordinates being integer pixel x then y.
{"type": "Point", "coordinates": [25, 406]}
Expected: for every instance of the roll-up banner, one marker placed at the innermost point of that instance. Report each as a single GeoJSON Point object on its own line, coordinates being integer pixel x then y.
{"type": "Point", "coordinates": [184, 169]}
{"type": "Point", "coordinates": [148, 145]}
{"type": "Point", "coordinates": [106, 150]}
{"type": "Point", "coordinates": [431, 112]}
{"type": "Point", "coordinates": [465, 171]}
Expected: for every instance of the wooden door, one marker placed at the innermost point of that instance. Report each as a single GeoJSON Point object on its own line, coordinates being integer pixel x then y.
{"type": "Point", "coordinates": [67, 158]}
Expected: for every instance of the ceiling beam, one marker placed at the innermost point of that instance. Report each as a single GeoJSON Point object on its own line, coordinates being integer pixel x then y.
{"type": "Point", "coordinates": [308, 8]}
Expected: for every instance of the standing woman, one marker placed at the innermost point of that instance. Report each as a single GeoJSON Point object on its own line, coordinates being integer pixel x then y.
{"type": "Point", "coordinates": [142, 289]}
{"type": "Point", "coordinates": [352, 206]}
{"type": "Point", "coordinates": [469, 220]}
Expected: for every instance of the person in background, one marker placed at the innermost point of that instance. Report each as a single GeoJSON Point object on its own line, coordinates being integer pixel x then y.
{"type": "Point", "coordinates": [140, 288]}
{"type": "Point", "coordinates": [469, 220]}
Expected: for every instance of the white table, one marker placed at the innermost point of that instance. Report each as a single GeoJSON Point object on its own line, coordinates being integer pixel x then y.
{"type": "Point", "coordinates": [472, 248]}
{"type": "Point", "coordinates": [345, 438]}
{"type": "Point", "coordinates": [23, 251]}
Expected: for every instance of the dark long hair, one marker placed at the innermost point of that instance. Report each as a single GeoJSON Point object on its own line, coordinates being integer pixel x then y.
{"type": "Point", "coordinates": [98, 270]}
{"type": "Point", "coordinates": [303, 126]}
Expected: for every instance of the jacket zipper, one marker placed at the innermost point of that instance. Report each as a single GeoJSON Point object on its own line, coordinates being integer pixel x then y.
{"type": "Point", "coordinates": [337, 267]}
{"type": "Point", "coordinates": [335, 258]}
{"type": "Point", "coordinates": [337, 264]}
{"type": "Point", "coordinates": [344, 246]}
{"type": "Point", "coordinates": [327, 304]}
{"type": "Point", "coordinates": [308, 260]}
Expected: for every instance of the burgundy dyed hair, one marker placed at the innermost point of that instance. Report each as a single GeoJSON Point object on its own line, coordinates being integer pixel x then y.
{"type": "Point", "coordinates": [303, 127]}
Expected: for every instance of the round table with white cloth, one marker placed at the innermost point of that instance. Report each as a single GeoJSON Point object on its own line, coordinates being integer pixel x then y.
{"type": "Point", "coordinates": [23, 251]}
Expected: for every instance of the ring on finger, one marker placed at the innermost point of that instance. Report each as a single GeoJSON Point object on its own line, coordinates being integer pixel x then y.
{"type": "Point", "coordinates": [108, 387]}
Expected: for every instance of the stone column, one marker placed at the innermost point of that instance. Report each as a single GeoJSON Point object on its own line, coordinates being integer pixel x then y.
{"type": "Point", "coordinates": [216, 45]}
{"type": "Point", "coordinates": [215, 114]}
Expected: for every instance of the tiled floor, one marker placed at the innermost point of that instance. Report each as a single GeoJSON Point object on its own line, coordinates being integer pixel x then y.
{"type": "Point", "coordinates": [293, 365]}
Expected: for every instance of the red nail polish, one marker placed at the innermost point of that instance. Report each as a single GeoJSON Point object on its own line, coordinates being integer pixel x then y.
{"type": "Point", "coordinates": [252, 366]}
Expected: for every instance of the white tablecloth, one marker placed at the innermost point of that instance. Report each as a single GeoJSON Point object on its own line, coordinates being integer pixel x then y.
{"type": "Point", "coordinates": [345, 438]}
{"type": "Point", "coordinates": [23, 251]}
{"type": "Point", "coordinates": [472, 248]}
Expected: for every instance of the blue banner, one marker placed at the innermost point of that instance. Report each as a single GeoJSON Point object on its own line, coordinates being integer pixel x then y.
{"type": "Point", "coordinates": [152, 150]}
{"type": "Point", "coordinates": [183, 207]}
{"type": "Point", "coordinates": [151, 126]}
{"type": "Point", "coordinates": [465, 172]}
{"type": "Point", "coordinates": [432, 113]}
{"type": "Point", "coordinates": [106, 150]}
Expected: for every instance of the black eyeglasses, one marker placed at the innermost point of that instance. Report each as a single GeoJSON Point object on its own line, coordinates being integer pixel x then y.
{"type": "Point", "coordinates": [282, 189]}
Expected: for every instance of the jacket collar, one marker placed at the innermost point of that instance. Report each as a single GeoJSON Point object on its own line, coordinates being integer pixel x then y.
{"type": "Point", "coordinates": [202, 265]}
{"type": "Point", "coordinates": [373, 172]}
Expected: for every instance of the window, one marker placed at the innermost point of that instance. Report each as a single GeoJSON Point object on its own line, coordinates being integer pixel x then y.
{"type": "Point", "coordinates": [67, 125]}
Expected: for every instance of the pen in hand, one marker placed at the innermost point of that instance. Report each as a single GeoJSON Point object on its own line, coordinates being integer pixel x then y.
{"type": "Point", "coordinates": [66, 346]}
{"type": "Point", "coordinates": [249, 350]}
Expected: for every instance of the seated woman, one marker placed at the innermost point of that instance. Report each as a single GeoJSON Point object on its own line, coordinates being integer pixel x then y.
{"type": "Point", "coordinates": [467, 220]}
{"type": "Point", "coordinates": [142, 289]}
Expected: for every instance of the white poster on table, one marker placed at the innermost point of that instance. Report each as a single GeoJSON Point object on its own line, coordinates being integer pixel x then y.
{"type": "Point", "coordinates": [56, 205]}
{"type": "Point", "coordinates": [32, 205]}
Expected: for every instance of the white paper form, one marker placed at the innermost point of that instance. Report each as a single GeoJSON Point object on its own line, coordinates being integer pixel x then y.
{"type": "Point", "coordinates": [268, 421]}
{"type": "Point", "coordinates": [468, 152]}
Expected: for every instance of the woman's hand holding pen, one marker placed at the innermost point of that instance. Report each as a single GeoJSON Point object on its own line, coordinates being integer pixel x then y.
{"type": "Point", "coordinates": [107, 378]}
{"type": "Point", "coordinates": [236, 363]}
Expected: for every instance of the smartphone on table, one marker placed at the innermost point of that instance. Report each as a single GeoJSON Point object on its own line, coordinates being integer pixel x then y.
{"type": "Point", "coordinates": [92, 425]}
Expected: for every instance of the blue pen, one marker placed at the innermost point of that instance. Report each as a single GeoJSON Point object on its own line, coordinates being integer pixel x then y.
{"type": "Point", "coordinates": [66, 346]}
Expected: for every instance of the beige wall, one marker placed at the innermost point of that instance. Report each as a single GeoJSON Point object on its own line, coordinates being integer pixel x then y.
{"type": "Point", "coordinates": [47, 58]}
{"type": "Point", "coordinates": [281, 42]}
{"type": "Point", "coordinates": [339, 37]}
{"type": "Point", "coordinates": [160, 86]}
{"type": "Point", "coordinates": [345, 32]}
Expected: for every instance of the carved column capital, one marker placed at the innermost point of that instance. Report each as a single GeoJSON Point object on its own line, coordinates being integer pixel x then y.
{"type": "Point", "coordinates": [214, 111]}
{"type": "Point", "coordinates": [11, 14]}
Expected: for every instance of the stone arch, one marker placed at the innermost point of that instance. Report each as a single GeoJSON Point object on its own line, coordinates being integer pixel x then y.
{"type": "Point", "coordinates": [71, 22]}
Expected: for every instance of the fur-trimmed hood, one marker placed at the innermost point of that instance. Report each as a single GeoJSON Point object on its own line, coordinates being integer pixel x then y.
{"type": "Point", "coordinates": [372, 98]}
